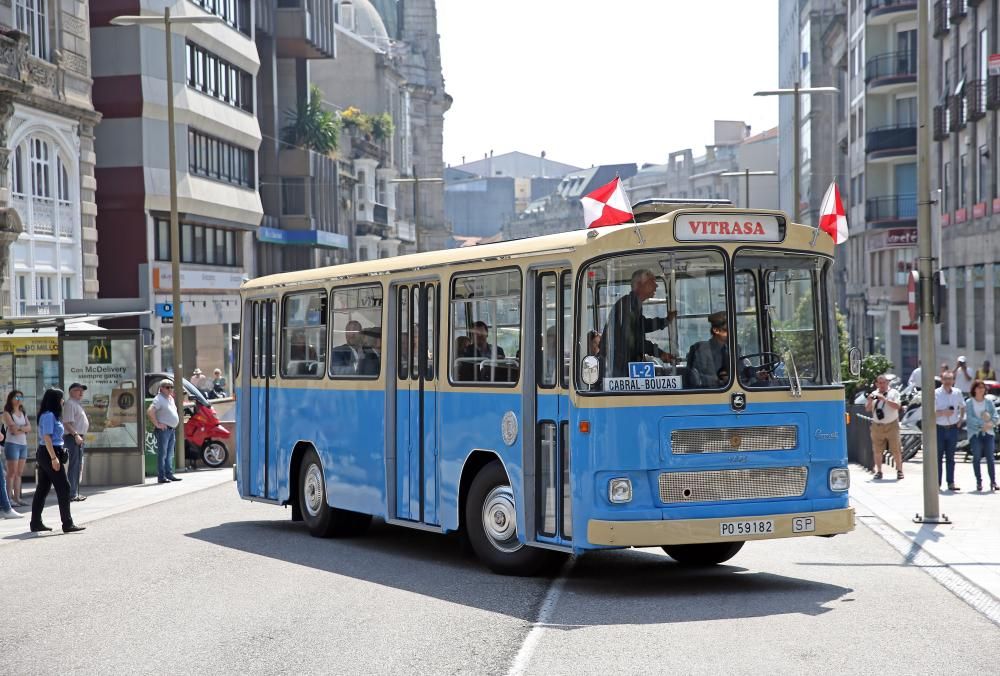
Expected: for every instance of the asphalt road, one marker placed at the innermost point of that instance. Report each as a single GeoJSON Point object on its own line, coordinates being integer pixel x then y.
{"type": "Point", "coordinates": [207, 583]}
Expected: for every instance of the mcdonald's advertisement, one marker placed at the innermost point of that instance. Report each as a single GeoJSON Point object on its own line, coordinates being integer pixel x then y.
{"type": "Point", "coordinates": [107, 366]}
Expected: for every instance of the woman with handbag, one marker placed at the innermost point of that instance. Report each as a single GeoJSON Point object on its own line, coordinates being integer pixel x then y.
{"type": "Point", "coordinates": [51, 459]}
{"type": "Point", "coordinates": [981, 428]}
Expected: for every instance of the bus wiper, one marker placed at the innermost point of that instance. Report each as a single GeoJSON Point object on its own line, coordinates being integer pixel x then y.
{"type": "Point", "coordinates": [793, 383]}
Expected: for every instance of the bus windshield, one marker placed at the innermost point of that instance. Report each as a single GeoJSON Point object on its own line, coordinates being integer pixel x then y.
{"type": "Point", "coordinates": [780, 331]}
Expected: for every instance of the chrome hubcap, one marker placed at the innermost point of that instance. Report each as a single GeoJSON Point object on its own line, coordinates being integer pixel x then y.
{"type": "Point", "coordinates": [312, 490]}
{"type": "Point", "coordinates": [500, 519]}
{"type": "Point", "coordinates": [213, 454]}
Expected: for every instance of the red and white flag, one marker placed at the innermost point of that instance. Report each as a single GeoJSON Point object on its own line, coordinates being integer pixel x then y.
{"type": "Point", "coordinates": [832, 218]}
{"type": "Point", "coordinates": [608, 205]}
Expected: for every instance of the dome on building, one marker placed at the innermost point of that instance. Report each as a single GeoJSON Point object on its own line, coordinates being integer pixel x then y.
{"type": "Point", "coordinates": [389, 11]}
{"type": "Point", "coordinates": [367, 22]}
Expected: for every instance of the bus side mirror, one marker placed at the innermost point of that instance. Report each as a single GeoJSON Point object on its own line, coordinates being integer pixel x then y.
{"type": "Point", "coordinates": [854, 357]}
{"type": "Point", "coordinates": [590, 370]}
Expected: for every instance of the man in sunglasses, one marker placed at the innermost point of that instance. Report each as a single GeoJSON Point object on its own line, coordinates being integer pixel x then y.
{"type": "Point", "coordinates": [163, 414]}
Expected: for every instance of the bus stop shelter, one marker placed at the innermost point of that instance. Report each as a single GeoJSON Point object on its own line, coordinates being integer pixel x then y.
{"type": "Point", "coordinates": [41, 352]}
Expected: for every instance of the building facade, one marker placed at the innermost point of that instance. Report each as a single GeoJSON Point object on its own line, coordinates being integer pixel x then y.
{"type": "Point", "coordinates": [217, 137]}
{"type": "Point", "coordinates": [966, 167]}
{"type": "Point", "coordinates": [48, 238]}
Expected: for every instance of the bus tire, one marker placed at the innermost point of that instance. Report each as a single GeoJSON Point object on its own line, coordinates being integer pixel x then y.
{"type": "Point", "coordinates": [323, 520]}
{"type": "Point", "coordinates": [491, 524]}
{"type": "Point", "coordinates": [708, 554]}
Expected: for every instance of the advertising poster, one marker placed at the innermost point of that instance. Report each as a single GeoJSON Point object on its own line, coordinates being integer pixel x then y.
{"type": "Point", "coordinates": [107, 366]}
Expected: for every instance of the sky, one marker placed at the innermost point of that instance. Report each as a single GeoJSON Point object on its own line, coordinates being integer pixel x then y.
{"type": "Point", "coordinates": [603, 82]}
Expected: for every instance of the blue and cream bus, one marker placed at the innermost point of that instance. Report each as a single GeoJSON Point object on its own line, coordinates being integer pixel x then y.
{"type": "Point", "coordinates": [673, 382]}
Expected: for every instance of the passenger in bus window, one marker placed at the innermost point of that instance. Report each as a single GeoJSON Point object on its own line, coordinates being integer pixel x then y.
{"type": "Point", "coordinates": [299, 348]}
{"type": "Point", "coordinates": [347, 359]}
{"type": "Point", "coordinates": [480, 347]}
{"type": "Point", "coordinates": [593, 343]}
{"type": "Point", "coordinates": [708, 361]}
{"type": "Point", "coordinates": [624, 335]}
{"type": "Point", "coordinates": [371, 352]}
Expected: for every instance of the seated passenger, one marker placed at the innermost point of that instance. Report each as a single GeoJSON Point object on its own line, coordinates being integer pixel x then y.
{"type": "Point", "coordinates": [480, 347]}
{"type": "Point", "coordinates": [708, 360]}
{"type": "Point", "coordinates": [347, 359]}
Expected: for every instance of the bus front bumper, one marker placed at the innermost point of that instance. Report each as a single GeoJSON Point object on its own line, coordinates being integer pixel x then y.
{"type": "Point", "coordinates": [728, 529]}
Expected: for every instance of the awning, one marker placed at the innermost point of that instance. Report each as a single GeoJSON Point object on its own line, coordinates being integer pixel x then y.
{"type": "Point", "coordinates": [317, 238]}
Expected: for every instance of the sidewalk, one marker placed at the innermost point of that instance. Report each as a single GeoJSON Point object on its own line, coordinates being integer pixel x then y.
{"type": "Point", "coordinates": [108, 501]}
{"type": "Point", "coordinates": [969, 546]}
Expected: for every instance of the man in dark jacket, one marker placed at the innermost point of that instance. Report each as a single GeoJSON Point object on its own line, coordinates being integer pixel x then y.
{"type": "Point", "coordinates": [624, 337]}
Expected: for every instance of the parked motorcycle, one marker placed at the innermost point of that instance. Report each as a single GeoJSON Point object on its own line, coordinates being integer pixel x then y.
{"type": "Point", "coordinates": [204, 435]}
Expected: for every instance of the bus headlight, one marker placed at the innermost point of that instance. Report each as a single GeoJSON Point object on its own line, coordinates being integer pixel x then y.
{"type": "Point", "coordinates": [840, 479]}
{"type": "Point", "coordinates": [620, 490]}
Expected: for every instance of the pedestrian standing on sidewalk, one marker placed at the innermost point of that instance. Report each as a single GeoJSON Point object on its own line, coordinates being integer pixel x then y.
{"type": "Point", "coordinates": [987, 372]}
{"type": "Point", "coordinates": [949, 407]}
{"type": "Point", "coordinates": [915, 377]}
{"type": "Point", "coordinates": [884, 406]}
{"type": "Point", "coordinates": [76, 422]}
{"type": "Point", "coordinates": [6, 509]}
{"type": "Point", "coordinates": [163, 414]}
{"type": "Point", "coordinates": [15, 449]}
{"type": "Point", "coordinates": [51, 459]}
{"type": "Point", "coordinates": [963, 376]}
{"type": "Point", "coordinates": [981, 427]}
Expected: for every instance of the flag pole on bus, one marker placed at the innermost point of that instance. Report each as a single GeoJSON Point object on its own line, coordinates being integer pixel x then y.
{"type": "Point", "coordinates": [832, 217]}
{"type": "Point", "coordinates": [609, 205]}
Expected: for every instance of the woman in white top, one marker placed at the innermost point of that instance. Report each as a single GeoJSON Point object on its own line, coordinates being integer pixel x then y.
{"type": "Point", "coordinates": [16, 443]}
{"type": "Point", "coordinates": [981, 421]}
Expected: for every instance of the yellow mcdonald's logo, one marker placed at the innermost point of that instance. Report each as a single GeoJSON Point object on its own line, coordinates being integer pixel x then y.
{"type": "Point", "coordinates": [99, 352]}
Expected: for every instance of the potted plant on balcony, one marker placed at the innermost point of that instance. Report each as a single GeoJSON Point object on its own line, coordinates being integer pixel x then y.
{"type": "Point", "coordinates": [357, 122]}
{"type": "Point", "coordinates": [382, 126]}
{"type": "Point", "coordinates": [311, 126]}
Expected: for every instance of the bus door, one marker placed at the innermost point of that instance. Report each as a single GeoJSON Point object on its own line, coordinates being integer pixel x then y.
{"type": "Point", "coordinates": [263, 371]}
{"type": "Point", "coordinates": [417, 402]}
{"type": "Point", "coordinates": [552, 349]}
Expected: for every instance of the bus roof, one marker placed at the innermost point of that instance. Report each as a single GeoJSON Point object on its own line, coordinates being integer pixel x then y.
{"type": "Point", "coordinates": [530, 246]}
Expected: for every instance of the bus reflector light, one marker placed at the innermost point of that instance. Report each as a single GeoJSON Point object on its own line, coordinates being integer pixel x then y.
{"type": "Point", "coordinates": [620, 490]}
{"type": "Point", "coordinates": [584, 427]}
{"type": "Point", "coordinates": [847, 418]}
{"type": "Point", "coordinates": [840, 479]}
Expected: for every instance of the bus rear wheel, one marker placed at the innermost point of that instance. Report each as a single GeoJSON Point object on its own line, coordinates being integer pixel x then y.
{"type": "Point", "coordinates": [491, 525]}
{"type": "Point", "coordinates": [323, 520]}
{"type": "Point", "coordinates": [703, 555]}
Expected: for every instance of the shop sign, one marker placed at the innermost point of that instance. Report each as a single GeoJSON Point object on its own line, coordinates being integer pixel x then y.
{"type": "Point", "coordinates": [203, 280]}
{"type": "Point", "coordinates": [29, 346]}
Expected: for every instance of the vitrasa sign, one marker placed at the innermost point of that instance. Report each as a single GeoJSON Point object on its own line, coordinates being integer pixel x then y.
{"type": "Point", "coordinates": [708, 227]}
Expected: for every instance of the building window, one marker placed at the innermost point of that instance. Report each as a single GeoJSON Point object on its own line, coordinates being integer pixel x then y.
{"type": "Point", "coordinates": [960, 307]}
{"type": "Point", "coordinates": [293, 197]}
{"type": "Point", "coordinates": [30, 19]}
{"type": "Point", "coordinates": [22, 294]}
{"type": "Point", "coordinates": [945, 308]}
{"type": "Point", "coordinates": [17, 173]}
{"type": "Point", "coordinates": [236, 13]}
{"type": "Point", "coordinates": [44, 286]}
{"type": "Point", "coordinates": [963, 175]}
{"type": "Point", "coordinates": [218, 78]}
{"type": "Point", "coordinates": [946, 187]}
{"type": "Point", "coordinates": [982, 189]}
{"type": "Point", "coordinates": [978, 302]}
{"type": "Point", "coordinates": [200, 244]}
{"type": "Point", "coordinates": [219, 160]}
{"type": "Point", "coordinates": [39, 158]}
{"type": "Point", "coordinates": [67, 288]}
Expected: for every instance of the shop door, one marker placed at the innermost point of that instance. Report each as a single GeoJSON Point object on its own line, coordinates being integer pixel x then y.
{"type": "Point", "coordinates": [417, 402]}
{"type": "Point", "coordinates": [553, 338]}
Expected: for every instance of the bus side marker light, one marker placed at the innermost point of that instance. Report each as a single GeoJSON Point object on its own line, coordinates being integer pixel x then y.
{"type": "Point", "coordinates": [620, 490]}
{"type": "Point", "coordinates": [584, 427]}
{"type": "Point", "coordinates": [840, 479]}
{"type": "Point", "coordinates": [847, 418]}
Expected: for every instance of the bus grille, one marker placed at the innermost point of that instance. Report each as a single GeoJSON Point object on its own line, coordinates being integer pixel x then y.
{"type": "Point", "coordinates": [734, 439]}
{"type": "Point", "coordinates": [733, 484]}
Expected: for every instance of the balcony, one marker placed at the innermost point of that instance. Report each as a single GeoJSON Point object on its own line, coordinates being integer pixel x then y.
{"type": "Point", "coordinates": [976, 93]}
{"type": "Point", "coordinates": [892, 210]}
{"type": "Point", "coordinates": [308, 195]}
{"type": "Point", "coordinates": [373, 216]}
{"type": "Point", "coordinates": [305, 29]}
{"type": "Point", "coordinates": [891, 69]}
{"type": "Point", "coordinates": [874, 9]}
{"type": "Point", "coordinates": [959, 10]}
{"type": "Point", "coordinates": [993, 92]}
{"type": "Point", "coordinates": [958, 111]}
{"type": "Point", "coordinates": [896, 140]}
{"type": "Point", "coordinates": [941, 18]}
{"type": "Point", "coordinates": [940, 123]}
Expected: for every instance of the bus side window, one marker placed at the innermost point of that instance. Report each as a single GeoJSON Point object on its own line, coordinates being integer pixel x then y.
{"type": "Point", "coordinates": [486, 327]}
{"type": "Point", "coordinates": [356, 318]}
{"type": "Point", "coordinates": [403, 335]}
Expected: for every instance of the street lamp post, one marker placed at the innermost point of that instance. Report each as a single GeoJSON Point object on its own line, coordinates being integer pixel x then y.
{"type": "Point", "coordinates": [746, 174]}
{"type": "Point", "coordinates": [175, 235]}
{"type": "Point", "coordinates": [795, 92]}
{"type": "Point", "coordinates": [416, 181]}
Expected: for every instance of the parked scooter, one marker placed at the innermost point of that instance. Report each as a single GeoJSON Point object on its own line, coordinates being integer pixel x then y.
{"type": "Point", "coordinates": [204, 435]}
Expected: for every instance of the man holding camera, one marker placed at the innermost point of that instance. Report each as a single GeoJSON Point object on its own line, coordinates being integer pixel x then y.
{"type": "Point", "coordinates": [884, 406]}
{"type": "Point", "coordinates": [949, 407]}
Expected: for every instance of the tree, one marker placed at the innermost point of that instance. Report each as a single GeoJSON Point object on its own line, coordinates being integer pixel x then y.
{"type": "Point", "coordinates": [382, 126]}
{"type": "Point", "coordinates": [311, 126]}
{"type": "Point", "coordinates": [872, 366]}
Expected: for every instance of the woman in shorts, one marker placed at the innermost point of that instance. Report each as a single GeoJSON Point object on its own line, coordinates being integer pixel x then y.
{"type": "Point", "coordinates": [15, 449]}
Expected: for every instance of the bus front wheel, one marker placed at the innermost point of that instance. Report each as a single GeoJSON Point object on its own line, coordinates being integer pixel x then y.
{"type": "Point", "coordinates": [491, 524]}
{"type": "Point", "coordinates": [323, 520]}
{"type": "Point", "coordinates": [703, 555]}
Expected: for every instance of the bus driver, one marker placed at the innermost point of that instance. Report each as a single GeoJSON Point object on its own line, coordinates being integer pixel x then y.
{"type": "Point", "coordinates": [624, 337]}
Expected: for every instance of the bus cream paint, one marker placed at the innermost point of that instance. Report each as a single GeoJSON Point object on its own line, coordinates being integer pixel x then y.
{"type": "Point", "coordinates": [523, 658]}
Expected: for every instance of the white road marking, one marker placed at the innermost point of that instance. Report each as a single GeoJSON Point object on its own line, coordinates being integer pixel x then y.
{"type": "Point", "coordinates": [524, 655]}
{"type": "Point", "coordinates": [915, 555]}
